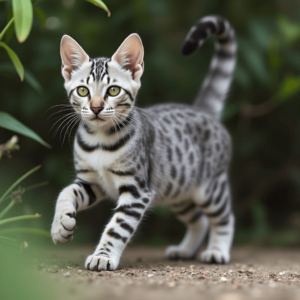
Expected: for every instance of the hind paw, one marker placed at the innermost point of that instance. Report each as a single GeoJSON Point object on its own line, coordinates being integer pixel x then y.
{"type": "Point", "coordinates": [215, 256]}
{"type": "Point", "coordinates": [176, 252]}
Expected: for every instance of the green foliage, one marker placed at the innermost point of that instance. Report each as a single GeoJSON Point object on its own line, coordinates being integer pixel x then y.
{"type": "Point", "coordinates": [15, 60]}
{"type": "Point", "coordinates": [23, 15]}
{"type": "Point", "coordinates": [10, 123]}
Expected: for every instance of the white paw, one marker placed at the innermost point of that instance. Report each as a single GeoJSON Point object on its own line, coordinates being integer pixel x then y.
{"type": "Point", "coordinates": [176, 252]}
{"type": "Point", "coordinates": [63, 228]}
{"type": "Point", "coordinates": [98, 263]}
{"type": "Point", "coordinates": [215, 256]}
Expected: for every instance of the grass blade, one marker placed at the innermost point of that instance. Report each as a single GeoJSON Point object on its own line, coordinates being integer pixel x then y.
{"type": "Point", "coordinates": [19, 218]}
{"type": "Point", "coordinates": [35, 231]}
{"type": "Point", "coordinates": [18, 181]}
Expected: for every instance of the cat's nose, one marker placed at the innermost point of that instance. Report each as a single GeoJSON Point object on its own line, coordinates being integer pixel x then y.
{"type": "Point", "coordinates": [96, 109]}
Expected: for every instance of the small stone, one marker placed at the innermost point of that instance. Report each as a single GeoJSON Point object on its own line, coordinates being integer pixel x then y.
{"type": "Point", "coordinates": [171, 284]}
{"type": "Point", "coordinates": [223, 279]}
{"type": "Point", "coordinates": [150, 275]}
{"type": "Point", "coordinates": [201, 277]}
{"type": "Point", "coordinates": [67, 274]}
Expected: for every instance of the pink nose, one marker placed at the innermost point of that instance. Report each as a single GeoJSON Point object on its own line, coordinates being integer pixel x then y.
{"type": "Point", "coordinates": [96, 109]}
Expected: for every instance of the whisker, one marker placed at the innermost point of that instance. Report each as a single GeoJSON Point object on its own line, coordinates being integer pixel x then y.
{"type": "Point", "coordinates": [68, 118]}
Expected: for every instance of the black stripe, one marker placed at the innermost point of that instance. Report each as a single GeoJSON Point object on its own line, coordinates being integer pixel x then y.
{"type": "Point", "coordinates": [138, 205]}
{"type": "Point", "coordinates": [218, 199]}
{"type": "Point", "coordinates": [75, 193]}
{"type": "Point", "coordinates": [71, 92]}
{"type": "Point", "coordinates": [85, 147]}
{"type": "Point", "coordinates": [123, 173]}
{"type": "Point", "coordinates": [110, 244]}
{"type": "Point", "coordinates": [145, 200]}
{"type": "Point", "coordinates": [219, 211]}
{"type": "Point", "coordinates": [206, 204]}
{"type": "Point", "coordinates": [196, 217]}
{"type": "Point", "coordinates": [91, 194]}
{"type": "Point", "coordinates": [108, 79]}
{"type": "Point", "coordinates": [117, 236]}
{"type": "Point", "coordinates": [127, 227]}
{"type": "Point", "coordinates": [186, 210]}
{"type": "Point", "coordinates": [84, 171]}
{"type": "Point", "coordinates": [129, 189]}
{"type": "Point", "coordinates": [226, 40]}
{"type": "Point", "coordinates": [81, 196]}
{"type": "Point", "coordinates": [119, 144]}
{"type": "Point", "coordinates": [129, 94]}
{"type": "Point", "coordinates": [126, 210]}
{"type": "Point", "coordinates": [125, 104]}
{"type": "Point", "coordinates": [221, 25]}
{"type": "Point", "coordinates": [88, 79]}
{"type": "Point", "coordinates": [223, 54]}
{"type": "Point", "coordinates": [76, 204]}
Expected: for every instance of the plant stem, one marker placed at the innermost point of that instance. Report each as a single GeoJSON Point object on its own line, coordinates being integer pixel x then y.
{"type": "Point", "coordinates": [18, 181]}
{"type": "Point", "coordinates": [19, 218]}
{"type": "Point", "coordinates": [35, 186]}
{"type": "Point", "coordinates": [6, 28]}
{"type": "Point", "coordinates": [35, 231]}
{"type": "Point", "coordinates": [6, 209]}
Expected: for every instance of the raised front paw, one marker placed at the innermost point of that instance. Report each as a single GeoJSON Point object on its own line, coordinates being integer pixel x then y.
{"type": "Point", "coordinates": [63, 228]}
{"type": "Point", "coordinates": [177, 252]}
{"type": "Point", "coordinates": [98, 263]}
{"type": "Point", "coordinates": [215, 256]}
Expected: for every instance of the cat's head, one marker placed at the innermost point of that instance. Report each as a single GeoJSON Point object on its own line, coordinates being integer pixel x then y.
{"type": "Point", "coordinates": [102, 90]}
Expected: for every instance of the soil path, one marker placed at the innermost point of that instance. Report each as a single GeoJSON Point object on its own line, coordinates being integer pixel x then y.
{"type": "Point", "coordinates": [254, 273]}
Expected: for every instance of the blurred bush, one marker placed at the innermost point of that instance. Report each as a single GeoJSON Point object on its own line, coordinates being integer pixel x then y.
{"type": "Point", "coordinates": [261, 112]}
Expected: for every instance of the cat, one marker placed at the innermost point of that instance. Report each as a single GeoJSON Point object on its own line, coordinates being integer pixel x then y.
{"type": "Point", "coordinates": [169, 154]}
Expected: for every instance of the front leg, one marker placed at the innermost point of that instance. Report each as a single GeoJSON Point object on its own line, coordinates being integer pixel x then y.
{"type": "Point", "coordinates": [77, 196]}
{"type": "Point", "coordinates": [132, 205]}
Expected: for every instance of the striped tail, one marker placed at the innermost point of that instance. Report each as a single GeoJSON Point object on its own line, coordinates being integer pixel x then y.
{"type": "Point", "coordinates": [212, 95]}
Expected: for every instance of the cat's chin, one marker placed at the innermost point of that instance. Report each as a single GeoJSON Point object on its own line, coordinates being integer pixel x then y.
{"type": "Point", "coordinates": [98, 122]}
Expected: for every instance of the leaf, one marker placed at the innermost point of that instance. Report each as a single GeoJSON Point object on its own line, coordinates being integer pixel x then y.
{"type": "Point", "coordinates": [23, 14]}
{"type": "Point", "coordinates": [100, 4]}
{"type": "Point", "coordinates": [40, 15]}
{"type": "Point", "coordinates": [15, 60]}
{"type": "Point", "coordinates": [289, 87]}
{"type": "Point", "coordinates": [289, 30]}
{"type": "Point", "coordinates": [32, 81]}
{"type": "Point", "coordinates": [10, 123]}
{"type": "Point", "coordinates": [6, 67]}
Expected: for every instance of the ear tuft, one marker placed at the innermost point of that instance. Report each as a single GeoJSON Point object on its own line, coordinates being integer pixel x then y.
{"type": "Point", "coordinates": [130, 56]}
{"type": "Point", "coordinates": [72, 55]}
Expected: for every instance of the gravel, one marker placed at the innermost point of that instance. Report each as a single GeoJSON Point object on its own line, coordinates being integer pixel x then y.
{"type": "Point", "coordinates": [254, 273]}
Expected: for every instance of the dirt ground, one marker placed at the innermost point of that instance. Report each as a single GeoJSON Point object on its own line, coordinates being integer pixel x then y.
{"type": "Point", "coordinates": [144, 273]}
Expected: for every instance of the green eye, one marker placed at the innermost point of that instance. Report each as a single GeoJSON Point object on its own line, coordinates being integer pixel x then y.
{"type": "Point", "coordinates": [113, 90]}
{"type": "Point", "coordinates": [82, 91]}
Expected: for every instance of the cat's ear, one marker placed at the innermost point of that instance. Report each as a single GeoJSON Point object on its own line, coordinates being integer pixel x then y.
{"type": "Point", "coordinates": [72, 56]}
{"type": "Point", "coordinates": [130, 56]}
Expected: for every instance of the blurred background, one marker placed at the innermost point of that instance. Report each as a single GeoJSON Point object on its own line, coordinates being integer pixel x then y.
{"type": "Point", "coordinates": [262, 112]}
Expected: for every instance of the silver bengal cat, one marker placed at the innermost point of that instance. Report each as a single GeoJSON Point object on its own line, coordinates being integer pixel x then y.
{"type": "Point", "coordinates": [169, 154]}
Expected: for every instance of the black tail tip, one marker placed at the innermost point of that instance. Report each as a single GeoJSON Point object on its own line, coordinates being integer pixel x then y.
{"type": "Point", "coordinates": [189, 47]}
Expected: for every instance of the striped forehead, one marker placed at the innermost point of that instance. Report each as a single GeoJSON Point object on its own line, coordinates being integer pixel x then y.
{"type": "Point", "coordinates": [99, 69]}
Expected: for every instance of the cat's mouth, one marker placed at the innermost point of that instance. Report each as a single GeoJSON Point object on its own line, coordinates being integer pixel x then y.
{"type": "Point", "coordinates": [97, 118]}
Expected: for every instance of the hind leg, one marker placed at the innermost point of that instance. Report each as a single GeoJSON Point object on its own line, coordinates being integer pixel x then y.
{"type": "Point", "coordinates": [197, 227]}
{"type": "Point", "coordinates": [217, 207]}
